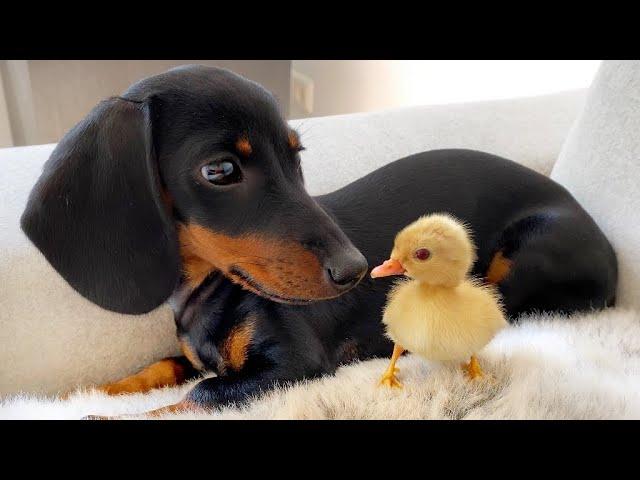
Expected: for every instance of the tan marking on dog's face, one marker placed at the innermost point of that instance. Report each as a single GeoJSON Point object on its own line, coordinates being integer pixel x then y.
{"type": "Point", "coordinates": [273, 268]}
{"type": "Point", "coordinates": [195, 268]}
{"type": "Point", "coordinates": [235, 348]}
{"type": "Point", "coordinates": [243, 146]}
{"type": "Point", "coordinates": [499, 268]}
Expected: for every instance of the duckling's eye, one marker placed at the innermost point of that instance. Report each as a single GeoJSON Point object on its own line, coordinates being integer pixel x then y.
{"type": "Point", "coordinates": [422, 254]}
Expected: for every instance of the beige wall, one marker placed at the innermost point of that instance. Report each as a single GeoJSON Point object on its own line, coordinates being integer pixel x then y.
{"type": "Point", "coordinates": [47, 97]}
{"type": "Point", "coordinates": [346, 86]}
{"type": "Point", "coordinates": [43, 99]}
{"type": "Point", "coordinates": [6, 137]}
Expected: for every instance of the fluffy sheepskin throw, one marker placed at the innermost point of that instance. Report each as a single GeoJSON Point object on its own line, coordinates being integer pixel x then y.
{"type": "Point", "coordinates": [546, 367]}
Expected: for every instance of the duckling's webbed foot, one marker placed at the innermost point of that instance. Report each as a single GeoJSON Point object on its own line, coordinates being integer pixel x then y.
{"type": "Point", "coordinates": [472, 369]}
{"type": "Point", "coordinates": [389, 378]}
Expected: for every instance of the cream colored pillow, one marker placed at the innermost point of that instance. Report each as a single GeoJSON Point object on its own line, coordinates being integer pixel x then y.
{"type": "Point", "coordinates": [600, 165]}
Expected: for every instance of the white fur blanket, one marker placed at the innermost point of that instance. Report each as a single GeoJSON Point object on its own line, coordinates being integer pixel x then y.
{"type": "Point", "coordinates": [546, 367]}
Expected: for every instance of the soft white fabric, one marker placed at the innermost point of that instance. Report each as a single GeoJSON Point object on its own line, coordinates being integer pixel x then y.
{"type": "Point", "coordinates": [343, 148]}
{"type": "Point", "coordinates": [52, 339]}
{"type": "Point", "coordinates": [600, 166]}
{"type": "Point", "coordinates": [586, 367]}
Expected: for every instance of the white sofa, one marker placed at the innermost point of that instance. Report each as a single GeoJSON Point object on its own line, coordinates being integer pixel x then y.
{"type": "Point", "coordinates": [52, 340]}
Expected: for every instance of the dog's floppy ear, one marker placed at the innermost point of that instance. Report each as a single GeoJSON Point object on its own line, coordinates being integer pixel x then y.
{"type": "Point", "coordinates": [97, 215]}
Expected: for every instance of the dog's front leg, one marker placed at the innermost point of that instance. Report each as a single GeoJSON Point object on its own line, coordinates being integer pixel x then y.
{"type": "Point", "coordinates": [169, 372]}
{"type": "Point", "coordinates": [218, 392]}
{"type": "Point", "coordinates": [223, 391]}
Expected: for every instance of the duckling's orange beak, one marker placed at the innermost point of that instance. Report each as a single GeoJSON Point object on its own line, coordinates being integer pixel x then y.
{"type": "Point", "coordinates": [389, 267]}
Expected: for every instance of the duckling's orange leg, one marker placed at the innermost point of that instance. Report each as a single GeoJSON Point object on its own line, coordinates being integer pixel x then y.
{"type": "Point", "coordinates": [389, 376]}
{"type": "Point", "coordinates": [472, 369]}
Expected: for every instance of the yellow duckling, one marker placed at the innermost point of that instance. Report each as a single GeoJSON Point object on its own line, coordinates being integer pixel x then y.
{"type": "Point", "coordinates": [440, 314]}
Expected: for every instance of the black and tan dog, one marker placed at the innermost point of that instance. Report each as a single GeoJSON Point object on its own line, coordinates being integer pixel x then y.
{"type": "Point", "coordinates": [189, 186]}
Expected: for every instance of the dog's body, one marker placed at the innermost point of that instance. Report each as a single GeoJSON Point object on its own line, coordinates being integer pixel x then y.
{"type": "Point", "coordinates": [556, 257]}
{"type": "Point", "coordinates": [264, 276]}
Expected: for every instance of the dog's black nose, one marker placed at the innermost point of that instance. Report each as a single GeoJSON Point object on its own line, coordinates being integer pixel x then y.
{"type": "Point", "coordinates": [346, 271]}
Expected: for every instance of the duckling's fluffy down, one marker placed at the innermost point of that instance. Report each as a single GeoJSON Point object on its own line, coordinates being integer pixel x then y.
{"type": "Point", "coordinates": [443, 323]}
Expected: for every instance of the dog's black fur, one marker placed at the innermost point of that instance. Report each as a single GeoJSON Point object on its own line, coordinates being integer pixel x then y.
{"type": "Point", "coordinates": [108, 211]}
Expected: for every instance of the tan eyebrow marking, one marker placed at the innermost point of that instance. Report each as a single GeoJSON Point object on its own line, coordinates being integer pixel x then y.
{"type": "Point", "coordinates": [243, 146]}
{"type": "Point", "coordinates": [294, 139]}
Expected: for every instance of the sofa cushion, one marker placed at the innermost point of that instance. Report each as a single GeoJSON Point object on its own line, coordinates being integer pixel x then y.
{"type": "Point", "coordinates": [343, 148]}
{"type": "Point", "coordinates": [600, 165]}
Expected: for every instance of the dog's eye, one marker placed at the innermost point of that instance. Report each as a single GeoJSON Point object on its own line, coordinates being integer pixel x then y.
{"type": "Point", "coordinates": [422, 254]}
{"type": "Point", "coordinates": [222, 172]}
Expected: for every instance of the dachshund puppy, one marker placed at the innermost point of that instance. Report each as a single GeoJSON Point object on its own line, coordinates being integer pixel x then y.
{"type": "Point", "coordinates": [188, 187]}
